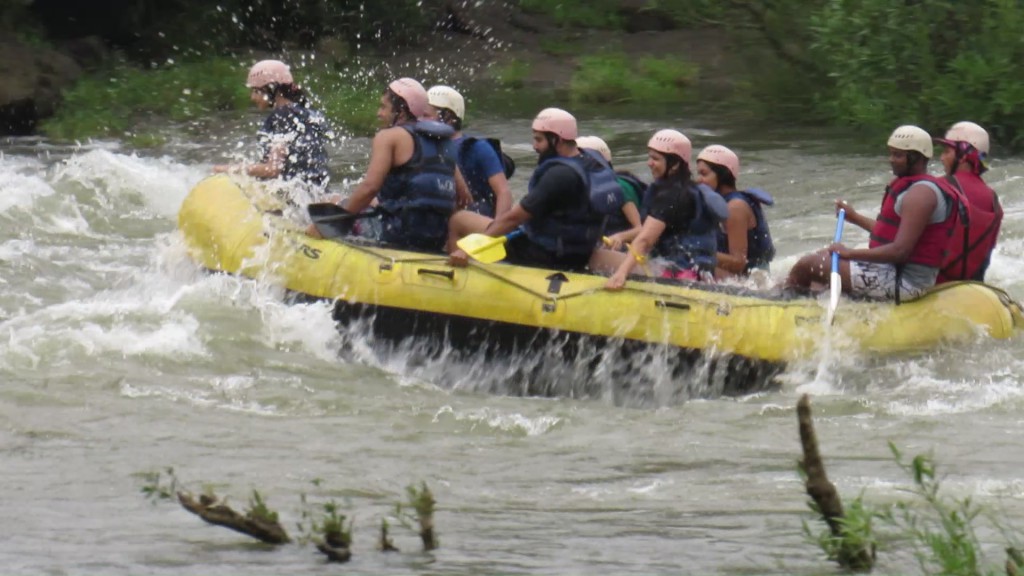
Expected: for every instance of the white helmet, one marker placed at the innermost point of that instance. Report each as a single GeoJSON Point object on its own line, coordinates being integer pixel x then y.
{"type": "Point", "coordinates": [966, 132]}
{"type": "Point", "coordinates": [448, 98]}
{"type": "Point", "coordinates": [911, 138]}
{"type": "Point", "coordinates": [597, 144]}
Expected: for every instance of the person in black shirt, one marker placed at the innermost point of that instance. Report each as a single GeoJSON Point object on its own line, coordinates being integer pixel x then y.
{"type": "Point", "coordinates": [669, 214]}
{"type": "Point", "coordinates": [293, 138]}
{"type": "Point", "coordinates": [560, 228]}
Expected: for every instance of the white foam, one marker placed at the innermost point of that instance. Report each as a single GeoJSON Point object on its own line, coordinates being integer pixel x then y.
{"type": "Point", "coordinates": [159, 183]}
{"type": "Point", "coordinates": [492, 418]}
{"type": "Point", "coordinates": [20, 191]}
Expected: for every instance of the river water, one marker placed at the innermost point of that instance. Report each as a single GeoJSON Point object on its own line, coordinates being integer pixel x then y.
{"type": "Point", "coordinates": [120, 358]}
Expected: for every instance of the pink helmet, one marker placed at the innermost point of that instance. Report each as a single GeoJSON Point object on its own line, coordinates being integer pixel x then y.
{"type": "Point", "coordinates": [414, 94]}
{"type": "Point", "coordinates": [268, 72]}
{"type": "Point", "coordinates": [557, 121]}
{"type": "Point", "coordinates": [718, 154]}
{"type": "Point", "coordinates": [671, 142]}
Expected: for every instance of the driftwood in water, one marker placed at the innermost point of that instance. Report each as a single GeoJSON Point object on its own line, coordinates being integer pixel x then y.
{"type": "Point", "coordinates": [385, 544]}
{"type": "Point", "coordinates": [340, 553]}
{"type": "Point", "coordinates": [217, 512]}
{"type": "Point", "coordinates": [851, 554]}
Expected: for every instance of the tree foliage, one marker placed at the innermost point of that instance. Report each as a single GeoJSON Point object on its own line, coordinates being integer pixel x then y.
{"type": "Point", "coordinates": [151, 28]}
{"type": "Point", "coordinates": [879, 63]}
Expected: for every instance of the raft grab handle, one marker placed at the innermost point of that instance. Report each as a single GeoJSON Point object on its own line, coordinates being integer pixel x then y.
{"type": "Point", "coordinates": [667, 304]}
{"type": "Point", "coordinates": [449, 274]}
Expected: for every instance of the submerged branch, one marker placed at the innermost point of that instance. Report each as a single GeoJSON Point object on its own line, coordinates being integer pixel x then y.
{"type": "Point", "coordinates": [216, 512]}
{"type": "Point", "coordinates": [852, 554]}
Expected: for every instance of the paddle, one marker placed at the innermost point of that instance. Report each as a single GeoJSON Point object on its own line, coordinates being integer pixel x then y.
{"type": "Point", "coordinates": [486, 249]}
{"type": "Point", "coordinates": [837, 280]}
{"type": "Point", "coordinates": [333, 221]}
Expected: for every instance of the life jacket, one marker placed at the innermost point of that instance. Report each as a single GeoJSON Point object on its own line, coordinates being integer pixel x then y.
{"type": "Point", "coordinates": [629, 185]}
{"type": "Point", "coordinates": [697, 247]}
{"type": "Point", "coordinates": [970, 246]}
{"type": "Point", "coordinates": [606, 195]}
{"type": "Point", "coordinates": [418, 197]}
{"type": "Point", "coordinates": [760, 248]}
{"type": "Point", "coordinates": [930, 249]}
{"type": "Point", "coordinates": [570, 231]}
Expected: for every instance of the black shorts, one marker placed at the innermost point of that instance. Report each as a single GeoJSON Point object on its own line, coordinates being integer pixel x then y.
{"type": "Point", "coordinates": [523, 252]}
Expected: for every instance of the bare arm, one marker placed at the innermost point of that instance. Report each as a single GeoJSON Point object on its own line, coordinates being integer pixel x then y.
{"type": "Point", "coordinates": [500, 226]}
{"type": "Point", "coordinates": [736, 227]}
{"type": "Point", "coordinates": [382, 155]}
{"type": "Point", "coordinates": [507, 222]}
{"type": "Point", "coordinates": [649, 234]}
{"type": "Point", "coordinates": [918, 204]}
{"type": "Point", "coordinates": [852, 216]}
{"type": "Point", "coordinates": [502, 194]}
{"type": "Point", "coordinates": [462, 196]}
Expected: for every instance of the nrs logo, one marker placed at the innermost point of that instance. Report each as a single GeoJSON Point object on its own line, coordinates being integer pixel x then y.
{"type": "Point", "coordinates": [310, 252]}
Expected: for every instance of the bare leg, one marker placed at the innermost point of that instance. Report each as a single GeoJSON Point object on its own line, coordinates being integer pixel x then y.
{"type": "Point", "coordinates": [604, 261]}
{"type": "Point", "coordinates": [815, 269]}
{"type": "Point", "coordinates": [464, 223]}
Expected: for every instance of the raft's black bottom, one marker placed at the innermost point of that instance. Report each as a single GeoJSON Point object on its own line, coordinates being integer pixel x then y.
{"type": "Point", "coordinates": [518, 360]}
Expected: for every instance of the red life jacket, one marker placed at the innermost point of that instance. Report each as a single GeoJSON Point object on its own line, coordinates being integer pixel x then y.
{"type": "Point", "coordinates": [930, 249]}
{"type": "Point", "coordinates": [970, 246]}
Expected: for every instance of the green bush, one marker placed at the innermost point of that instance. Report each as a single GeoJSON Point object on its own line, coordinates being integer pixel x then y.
{"type": "Point", "coordinates": [112, 102]}
{"type": "Point", "coordinates": [931, 62]}
{"type": "Point", "coordinates": [578, 13]}
{"type": "Point", "coordinates": [612, 78]}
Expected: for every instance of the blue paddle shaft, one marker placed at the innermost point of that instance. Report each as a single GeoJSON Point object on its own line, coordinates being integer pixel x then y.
{"type": "Point", "coordinates": [838, 237]}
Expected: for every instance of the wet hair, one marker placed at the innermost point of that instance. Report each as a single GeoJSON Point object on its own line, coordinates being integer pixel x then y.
{"type": "Point", "coordinates": [448, 117]}
{"type": "Point", "coordinates": [724, 176]}
{"type": "Point", "coordinates": [399, 107]}
{"type": "Point", "coordinates": [683, 175]}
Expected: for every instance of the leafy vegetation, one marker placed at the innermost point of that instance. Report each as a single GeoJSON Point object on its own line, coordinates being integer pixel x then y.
{"type": "Point", "coordinates": [112, 102]}
{"type": "Point", "coordinates": [591, 14]}
{"type": "Point", "coordinates": [422, 502]}
{"type": "Point", "coordinates": [941, 528]}
{"type": "Point", "coordinates": [258, 509]}
{"type": "Point", "coordinates": [612, 77]}
{"type": "Point", "coordinates": [323, 524]}
{"type": "Point", "coordinates": [872, 64]}
{"type": "Point", "coordinates": [159, 485]}
{"type": "Point", "coordinates": [878, 64]}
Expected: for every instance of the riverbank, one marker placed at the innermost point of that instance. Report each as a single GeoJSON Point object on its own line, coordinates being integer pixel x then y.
{"type": "Point", "coordinates": [502, 59]}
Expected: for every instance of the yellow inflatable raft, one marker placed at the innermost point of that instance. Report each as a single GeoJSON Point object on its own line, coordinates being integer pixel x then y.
{"type": "Point", "coordinates": [233, 227]}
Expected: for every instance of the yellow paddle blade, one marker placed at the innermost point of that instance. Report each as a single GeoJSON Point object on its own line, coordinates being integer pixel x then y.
{"type": "Point", "coordinates": [486, 249]}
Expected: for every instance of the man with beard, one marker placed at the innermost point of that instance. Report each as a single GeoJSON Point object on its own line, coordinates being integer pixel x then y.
{"type": "Point", "coordinates": [560, 229]}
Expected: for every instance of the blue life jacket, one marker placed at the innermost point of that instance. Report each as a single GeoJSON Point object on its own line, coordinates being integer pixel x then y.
{"type": "Point", "coordinates": [418, 197]}
{"type": "Point", "coordinates": [760, 248]}
{"type": "Point", "coordinates": [606, 195]}
{"type": "Point", "coordinates": [696, 248]}
{"type": "Point", "coordinates": [571, 231]}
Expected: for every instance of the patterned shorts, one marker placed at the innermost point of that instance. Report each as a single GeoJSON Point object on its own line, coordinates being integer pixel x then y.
{"type": "Point", "coordinates": [878, 281]}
